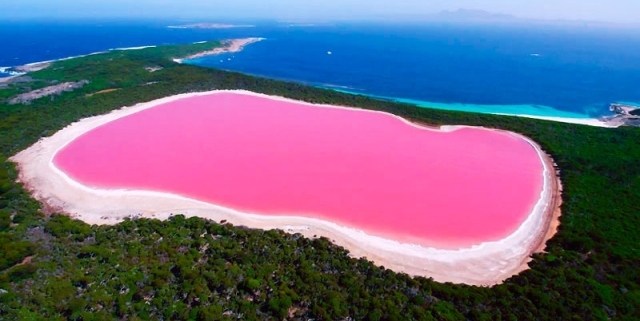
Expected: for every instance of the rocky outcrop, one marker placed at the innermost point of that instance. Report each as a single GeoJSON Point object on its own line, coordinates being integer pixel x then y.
{"type": "Point", "coordinates": [47, 91]}
{"type": "Point", "coordinates": [624, 115]}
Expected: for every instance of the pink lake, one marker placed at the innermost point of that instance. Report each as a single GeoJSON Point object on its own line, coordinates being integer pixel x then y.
{"type": "Point", "coordinates": [366, 170]}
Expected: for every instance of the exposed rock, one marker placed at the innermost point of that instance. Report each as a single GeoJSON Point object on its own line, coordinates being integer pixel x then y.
{"type": "Point", "coordinates": [153, 68]}
{"type": "Point", "coordinates": [624, 115]}
{"type": "Point", "coordinates": [5, 81]}
{"type": "Point", "coordinates": [47, 91]}
{"type": "Point", "coordinates": [36, 66]}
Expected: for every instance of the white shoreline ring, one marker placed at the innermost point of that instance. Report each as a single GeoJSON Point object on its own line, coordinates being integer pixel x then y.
{"type": "Point", "coordinates": [483, 264]}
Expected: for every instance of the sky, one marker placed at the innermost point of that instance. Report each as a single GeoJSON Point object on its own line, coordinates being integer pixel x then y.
{"type": "Point", "coordinates": [623, 11]}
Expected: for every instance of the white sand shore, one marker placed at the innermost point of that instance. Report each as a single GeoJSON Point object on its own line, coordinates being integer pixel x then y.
{"type": "Point", "coordinates": [484, 264]}
{"type": "Point", "coordinates": [228, 46]}
{"type": "Point", "coordinates": [579, 121]}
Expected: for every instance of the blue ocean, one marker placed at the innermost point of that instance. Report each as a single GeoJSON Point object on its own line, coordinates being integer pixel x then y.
{"type": "Point", "coordinates": [545, 70]}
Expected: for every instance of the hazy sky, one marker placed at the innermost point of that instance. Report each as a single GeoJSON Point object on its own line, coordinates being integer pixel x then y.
{"type": "Point", "coordinates": [626, 11]}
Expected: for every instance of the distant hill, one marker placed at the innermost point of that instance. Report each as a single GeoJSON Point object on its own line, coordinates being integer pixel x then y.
{"type": "Point", "coordinates": [463, 16]}
{"type": "Point", "coordinates": [471, 14]}
{"type": "Point", "coordinates": [482, 16]}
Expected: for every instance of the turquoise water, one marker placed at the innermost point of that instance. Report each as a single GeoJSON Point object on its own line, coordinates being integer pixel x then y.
{"type": "Point", "coordinates": [528, 110]}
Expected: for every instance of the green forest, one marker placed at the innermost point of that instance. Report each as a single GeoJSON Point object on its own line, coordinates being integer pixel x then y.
{"type": "Point", "coordinates": [55, 268]}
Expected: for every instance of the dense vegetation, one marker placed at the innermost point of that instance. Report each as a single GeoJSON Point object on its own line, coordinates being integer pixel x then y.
{"type": "Point", "coordinates": [56, 268]}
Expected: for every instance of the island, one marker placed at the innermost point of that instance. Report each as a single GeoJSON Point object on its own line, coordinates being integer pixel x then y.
{"type": "Point", "coordinates": [210, 25]}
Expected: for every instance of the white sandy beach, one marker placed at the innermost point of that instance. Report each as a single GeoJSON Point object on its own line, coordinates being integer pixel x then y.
{"type": "Point", "coordinates": [484, 264]}
{"type": "Point", "coordinates": [228, 46]}
{"type": "Point", "coordinates": [578, 121]}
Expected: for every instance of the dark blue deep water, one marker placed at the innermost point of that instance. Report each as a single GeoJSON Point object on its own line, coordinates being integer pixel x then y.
{"type": "Point", "coordinates": [566, 71]}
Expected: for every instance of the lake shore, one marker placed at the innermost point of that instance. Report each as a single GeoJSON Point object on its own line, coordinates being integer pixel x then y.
{"type": "Point", "coordinates": [484, 264]}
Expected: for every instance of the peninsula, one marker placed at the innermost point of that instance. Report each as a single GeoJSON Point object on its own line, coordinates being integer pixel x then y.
{"type": "Point", "coordinates": [227, 46]}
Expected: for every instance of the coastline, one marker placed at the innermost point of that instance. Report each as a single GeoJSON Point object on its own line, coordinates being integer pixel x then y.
{"type": "Point", "coordinates": [570, 119]}
{"type": "Point", "coordinates": [228, 46]}
{"type": "Point", "coordinates": [237, 45]}
{"type": "Point", "coordinates": [484, 264]}
{"type": "Point", "coordinates": [577, 121]}
{"type": "Point", "coordinates": [22, 70]}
